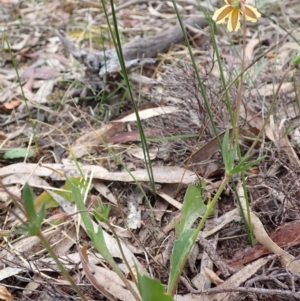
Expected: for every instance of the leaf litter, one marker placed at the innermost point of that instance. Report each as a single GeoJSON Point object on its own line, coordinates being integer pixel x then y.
{"type": "Point", "coordinates": [70, 113]}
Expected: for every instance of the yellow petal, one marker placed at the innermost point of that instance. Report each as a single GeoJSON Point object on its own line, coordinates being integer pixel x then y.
{"type": "Point", "coordinates": [234, 20]}
{"type": "Point", "coordinates": [251, 13]}
{"type": "Point", "coordinates": [221, 14]}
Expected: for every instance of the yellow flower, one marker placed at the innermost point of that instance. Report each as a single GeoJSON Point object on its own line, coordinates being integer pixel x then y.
{"type": "Point", "coordinates": [233, 10]}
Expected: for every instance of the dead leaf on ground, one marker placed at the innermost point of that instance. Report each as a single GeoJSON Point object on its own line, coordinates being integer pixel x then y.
{"type": "Point", "coordinates": [106, 281]}
{"type": "Point", "coordinates": [162, 174]}
{"type": "Point", "coordinates": [259, 232]}
{"type": "Point", "coordinates": [148, 113]}
{"type": "Point", "coordinates": [87, 143]}
{"type": "Point", "coordinates": [133, 136]}
{"type": "Point", "coordinates": [269, 89]}
{"type": "Point", "coordinates": [212, 276]}
{"type": "Point", "coordinates": [287, 235]}
{"type": "Point", "coordinates": [249, 49]}
{"type": "Point", "coordinates": [9, 272]}
{"type": "Point", "coordinates": [5, 294]}
{"type": "Point", "coordinates": [239, 278]}
{"type": "Point", "coordinates": [38, 73]}
{"type": "Point", "coordinates": [9, 105]}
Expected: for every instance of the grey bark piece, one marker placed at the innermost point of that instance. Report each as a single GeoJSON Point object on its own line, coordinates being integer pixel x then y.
{"type": "Point", "coordinates": [136, 52]}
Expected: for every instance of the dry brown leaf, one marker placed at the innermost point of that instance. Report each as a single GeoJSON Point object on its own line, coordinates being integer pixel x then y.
{"type": "Point", "coordinates": [5, 294]}
{"type": "Point", "coordinates": [90, 274]}
{"type": "Point", "coordinates": [148, 113]}
{"type": "Point", "coordinates": [38, 73]}
{"type": "Point", "coordinates": [9, 272]}
{"type": "Point", "coordinates": [87, 143]}
{"type": "Point", "coordinates": [286, 259]}
{"type": "Point", "coordinates": [278, 135]}
{"type": "Point", "coordinates": [209, 149]}
{"type": "Point", "coordinates": [5, 197]}
{"type": "Point", "coordinates": [221, 222]}
{"type": "Point", "coordinates": [2, 136]}
{"type": "Point", "coordinates": [45, 90]}
{"type": "Point", "coordinates": [106, 281]}
{"type": "Point", "coordinates": [138, 153]}
{"type": "Point", "coordinates": [212, 276]}
{"type": "Point", "coordinates": [29, 245]}
{"type": "Point", "coordinates": [22, 178]}
{"type": "Point", "coordinates": [249, 49]}
{"type": "Point", "coordinates": [239, 278]}
{"type": "Point", "coordinates": [18, 46]}
{"type": "Point", "coordinates": [12, 104]}
{"type": "Point", "coordinates": [33, 285]}
{"type": "Point", "coordinates": [133, 136]}
{"type": "Point", "coordinates": [170, 200]}
{"type": "Point", "coordinates": [286, 235]}
{"type": "Point", "coordinates": [162, 174]}
{"type": "Point", "coordinates": [104, 191]}
{"type": "Point", "coordinates": [270, 89]}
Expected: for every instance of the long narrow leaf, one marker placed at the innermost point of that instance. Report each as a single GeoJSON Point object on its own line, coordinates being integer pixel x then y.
{"type": "Point", "coordinates": [193, 207]}
{"type": "Point", "coordinates": [181, 250]}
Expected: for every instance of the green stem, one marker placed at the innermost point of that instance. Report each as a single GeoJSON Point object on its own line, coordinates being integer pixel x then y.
{"type": "Point", "coordinates": [172, 289]}
{"type": "Point", "coordinates": [270, 110]}
{"type": "Point", "coordinates": [212, 204]}
{"type": "Point", "coordinates": [60, 266]}
{"type": "Point", "coordinates": [126, 282]}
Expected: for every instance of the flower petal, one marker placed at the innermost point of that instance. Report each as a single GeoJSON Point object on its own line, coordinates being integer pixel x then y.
{"type": "Point", "coordinates": [234, 20]}
{"type": "Point", "coordinates": [251, 13]}
{"type": "Point", "coordinates": [221, 14]}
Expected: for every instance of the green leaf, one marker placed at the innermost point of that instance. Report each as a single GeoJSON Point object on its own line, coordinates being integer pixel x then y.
{"type": "Point", "coordinates": [102, 211]}
{"type": "Point", "coordinates": [242, 166]}
{"type": "Point", "coordinates": [151, 289]}
{"type": "Point", "coordinates": [77, 197]}
{"type": "Point", "coordinates": [96, 237]}
{"type": "Point", "coordinates": [65, 192]}
{"type": "Point", "coordinates": [296, 58]}
{"type": "Point", "coordinates": [28, 198]}
{"type": "Point", "coordinates": [34, 220]}
{"type": "Point", "coordinates": [15, 153]}
{"type": "Point", "coordinates": [193, 207]}
{"type": "Point", "coordinates": [34, 227]}
{"type": "Point", "coordinates": [181, 249]}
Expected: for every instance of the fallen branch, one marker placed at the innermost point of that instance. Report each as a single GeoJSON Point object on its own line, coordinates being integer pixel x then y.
{"type": "Point", "coordinates": [136, 52]}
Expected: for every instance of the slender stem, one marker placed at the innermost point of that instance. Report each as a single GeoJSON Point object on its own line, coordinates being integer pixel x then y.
{"type": "Point", "coordinates": [22, 90]}
{"type": "Point", "coordinates": [212, 204]}
{"type": "Point", "coordinates": [126, 282]}
{"type": "Point", "coordinates": [60, 266]}
{"type": "Point", "coordinates": [270, 110]}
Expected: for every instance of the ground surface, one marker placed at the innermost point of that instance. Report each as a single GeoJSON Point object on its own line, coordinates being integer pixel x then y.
{"type": "Point", "coordinates": [67, 109]}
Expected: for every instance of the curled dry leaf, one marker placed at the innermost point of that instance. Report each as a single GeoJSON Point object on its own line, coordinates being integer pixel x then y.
{"type": "Point", "coordinates": [105, 281]}
{"type": "Point", "coordinates": [239, 278]}
{"type": "Point", "coordinates": [286, 235]}
{"type": "Point", "coordinates": [87, 143]}
{"type": "Point", "coordinates": [90, 274]}
{"type": "Point", "coordinates": [286, 259]}
{"type": "Point", "coordinates": [5, 294]}
{"type": "Point", "coordinates": [212, 276]}
{"type": "Point", "coordinates": [12, 104]}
